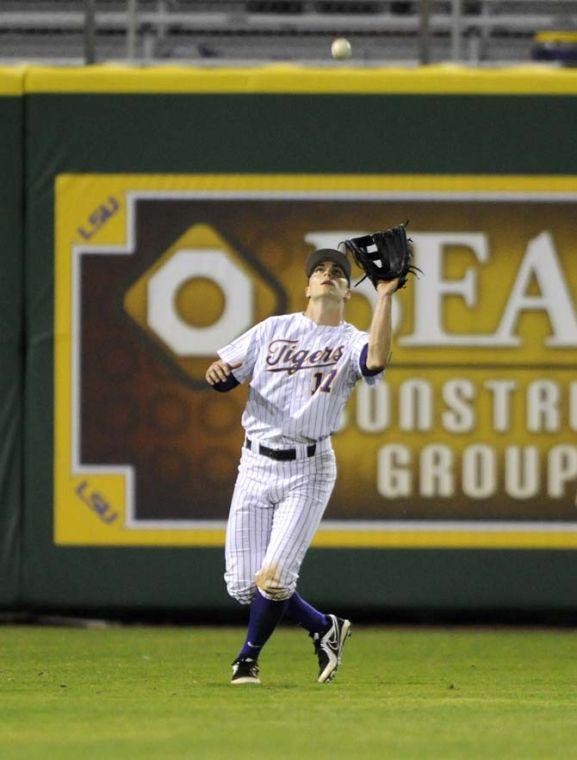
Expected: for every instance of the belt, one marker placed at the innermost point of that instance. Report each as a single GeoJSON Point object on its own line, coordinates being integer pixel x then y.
{"type": "Point", "coordinates": [281, 455]}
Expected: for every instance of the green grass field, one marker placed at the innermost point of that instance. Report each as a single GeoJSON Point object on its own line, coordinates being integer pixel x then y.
{"type": "Point", "coordinates": [400, 693]}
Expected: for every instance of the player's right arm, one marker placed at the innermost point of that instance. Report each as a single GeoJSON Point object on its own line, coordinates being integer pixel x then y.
{"type": "Point", "coordinates": [221, 372]}
{"type": "Point", "coordinates": [236, 361]}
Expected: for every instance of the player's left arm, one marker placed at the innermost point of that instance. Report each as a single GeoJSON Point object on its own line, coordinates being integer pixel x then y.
{"type": "Point", "coordinates": [379, 345]}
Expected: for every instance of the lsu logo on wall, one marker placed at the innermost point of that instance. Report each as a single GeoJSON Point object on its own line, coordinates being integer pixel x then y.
{"type": "Point", "coordinates": [469, 440]}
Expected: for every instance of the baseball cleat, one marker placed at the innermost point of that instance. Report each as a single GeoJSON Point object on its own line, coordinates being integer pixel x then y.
{"type": "Point", "coordinates": [245, 671]}
{"type": "Point", "coordinates": [329, 647]}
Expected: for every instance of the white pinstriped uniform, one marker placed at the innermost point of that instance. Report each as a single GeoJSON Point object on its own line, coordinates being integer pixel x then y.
{"type": "Point", "coordinates": [302, 375]}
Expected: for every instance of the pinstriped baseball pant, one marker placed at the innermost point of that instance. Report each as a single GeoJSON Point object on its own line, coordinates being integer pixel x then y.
{"type": "Point", "coordinates": [275, 511]}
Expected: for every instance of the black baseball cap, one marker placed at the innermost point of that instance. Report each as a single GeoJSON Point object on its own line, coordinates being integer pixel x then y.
{"type": "Point", "coordinates": [328, 254]}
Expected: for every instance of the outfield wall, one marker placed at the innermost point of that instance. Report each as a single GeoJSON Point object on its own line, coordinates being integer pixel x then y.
{"type": "Point", "coordinates": [167, 210]}
{"type": "Point", "coordinates": [11, 334]}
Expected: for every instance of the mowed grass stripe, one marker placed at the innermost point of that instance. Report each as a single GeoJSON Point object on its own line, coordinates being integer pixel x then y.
{"type": "Point", "coordinates": [409, 693]}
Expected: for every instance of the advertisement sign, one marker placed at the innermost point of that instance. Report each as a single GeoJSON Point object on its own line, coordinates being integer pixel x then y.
{"type": "Point", "coordinates": [469, 439]}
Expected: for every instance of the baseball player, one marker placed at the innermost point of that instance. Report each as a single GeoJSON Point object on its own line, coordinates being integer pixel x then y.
{"type": "Point", "coordinates": [302, 368]}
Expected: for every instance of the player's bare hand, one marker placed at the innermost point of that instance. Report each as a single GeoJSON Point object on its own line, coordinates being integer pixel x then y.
{"type": "Point", "coordinates": [219, 371]}
{"type": "Point", "coordinates": [387, 287]}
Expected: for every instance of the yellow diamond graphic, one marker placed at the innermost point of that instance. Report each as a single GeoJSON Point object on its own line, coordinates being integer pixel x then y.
{"type": "Point", "coordinates": [198, 296]}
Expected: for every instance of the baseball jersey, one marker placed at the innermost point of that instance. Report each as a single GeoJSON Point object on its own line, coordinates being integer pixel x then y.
{"type": "Point", "coordinates": [301, 375]}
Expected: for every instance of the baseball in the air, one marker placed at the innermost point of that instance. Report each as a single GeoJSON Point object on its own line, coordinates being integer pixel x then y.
{"type": "Point", "coordinates": [341, 49]}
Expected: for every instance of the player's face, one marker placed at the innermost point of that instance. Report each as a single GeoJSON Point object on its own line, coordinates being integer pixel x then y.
{"type": "Point", "coordinates": [328, 280]}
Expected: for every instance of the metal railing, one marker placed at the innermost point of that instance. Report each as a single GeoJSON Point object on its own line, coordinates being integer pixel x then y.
{"type": "Point", "coordinates": [229, 30]}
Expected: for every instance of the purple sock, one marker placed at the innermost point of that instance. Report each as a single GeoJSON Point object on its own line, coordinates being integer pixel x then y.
{"type": "Point", "coordinates": [303, 614]}
{"type": "Point", "coordinates": [264, 617]}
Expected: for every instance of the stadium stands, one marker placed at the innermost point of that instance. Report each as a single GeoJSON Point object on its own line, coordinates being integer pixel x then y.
{"type": "Point", "coordinates": [211, 31]}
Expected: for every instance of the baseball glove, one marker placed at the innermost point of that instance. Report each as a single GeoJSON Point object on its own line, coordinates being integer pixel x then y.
{"type": "Point", "coordinates": [384, 255]}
